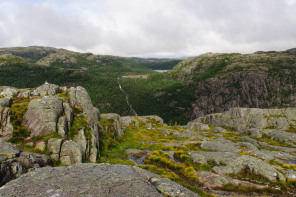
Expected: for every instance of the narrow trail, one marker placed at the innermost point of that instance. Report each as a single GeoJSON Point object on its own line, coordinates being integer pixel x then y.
{"type": "Point", "coordinates": [126, 98]}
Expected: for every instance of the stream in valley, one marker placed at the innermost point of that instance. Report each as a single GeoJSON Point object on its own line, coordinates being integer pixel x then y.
{"type": "Point", "coordinates": [126, 98]}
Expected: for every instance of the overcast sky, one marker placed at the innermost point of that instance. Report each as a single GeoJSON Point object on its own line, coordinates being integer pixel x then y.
{"type": "Point", "coordinates": [150, 28]}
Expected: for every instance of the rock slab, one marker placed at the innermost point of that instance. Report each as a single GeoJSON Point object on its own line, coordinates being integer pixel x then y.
{"type": "Point", "coordinates": [93, 180]}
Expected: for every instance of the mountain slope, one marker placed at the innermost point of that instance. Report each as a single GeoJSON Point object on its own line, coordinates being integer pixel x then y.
{"type": "Point", "coordinates": [24, 67]}
{"type": "Point", "coordinates": [221, 81]}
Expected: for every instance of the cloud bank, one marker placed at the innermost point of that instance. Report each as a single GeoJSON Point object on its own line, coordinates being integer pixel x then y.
{"type": "Point", "coordinates": [154, 28]}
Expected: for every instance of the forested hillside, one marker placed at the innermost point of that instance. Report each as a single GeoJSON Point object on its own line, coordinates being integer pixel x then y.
{"type": "Point", "coordinates": [207, 84]}
{"type": "Point", "coordinates": [31, 66]}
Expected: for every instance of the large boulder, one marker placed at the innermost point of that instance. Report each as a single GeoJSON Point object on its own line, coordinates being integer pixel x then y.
{"type": "Point", "coordinates": [42, 115]}
{"type": "Point", "coordinates": [93, 180]}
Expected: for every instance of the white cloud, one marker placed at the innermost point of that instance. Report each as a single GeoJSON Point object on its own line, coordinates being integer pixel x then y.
{"type": "Point", "coordinates": [150, 28]}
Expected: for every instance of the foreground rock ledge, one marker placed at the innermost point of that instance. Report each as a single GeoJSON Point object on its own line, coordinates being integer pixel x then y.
{"type": "Point", "coordinates": [93, 180]}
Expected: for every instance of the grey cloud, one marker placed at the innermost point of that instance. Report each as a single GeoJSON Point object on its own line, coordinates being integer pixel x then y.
{"type": "Point", "coordinates": [151, 28]}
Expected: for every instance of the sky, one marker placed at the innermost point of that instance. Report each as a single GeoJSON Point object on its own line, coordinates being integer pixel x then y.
{"type": "Point", "coordinates": [150, 28]}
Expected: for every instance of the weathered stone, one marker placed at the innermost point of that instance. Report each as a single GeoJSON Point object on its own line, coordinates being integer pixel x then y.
{"type": "Point", "coordinates": [6, 127]}
{"type": "Point", "coordinates": [273, 155]}
{"type": "Point", "coordinates": [290, 113]}
{"type": "Point", "coordinates": [250, 140]}
{"type": "Point", "coordinates": [213, 181]}
{"type": "Point", "coordinates": [24, 94]}
{"type": "Point", "coordinates": [197, 126]}
{"type": "Point", "coordinates": [219, 130]}
{"type": "Point", "coordinates": [278, 122]}
{"type": "Point", "coordinates": [280, 148]}
{"type": "Point", "coordinates": [33, 160]}
{"type": "Point", "coordinates": [148, 126]}
{"type": "Point", "coordinates": [94, 180]}
{"type": "Point", "coordinates": [9, 92]}
{"type": "Point", "coordinates": [62, 126]}
{"type": "Point", "coordinates": [68, 113]}
{"type": "Point", "coordinates": [9, 170]}
{"type": "Point", "coordinates": [282, 136]}
{"type": "Point", "coordinates": [290, 174]}
{"type": "Point", "coordinates": [8, 149]}
{"type": "Point", "coordinates": [70, 153]}
{"type": "Point", "coordinates": [217, 146]}
{"type": "Point", "coordinates": [81, 140]}
{"type": "Point", "coordinates": [13, 162]}
{"type": "Point", "coordinates": [129, 121]}
{"type": "Point", "coordinates": [54, 146]}
{"type": "Point", "coordinates": [247, 145]}
{"type": "Point", "coordinates": [40, 146]}
{"type": "Point", "coordinates": [177, 144]}
{"type": "Point", "coordinates": [42, 115]}
{"type": "Point", "coordinates": [244, 118]}
{"type": "Point", "coordinates": [150, 119]}
{"type": "Point", "coordinates": [97, 111]}
{"type": "Point", "coordinates": [4, 102]}
{"type": "Point", "coordinates": [165, 132]}
{"type": "Point", "coordinates": [80, 98]}
{"type": "Point", "coordinates": [47, 89]}
{"type": "Point", "coordinates": [258, 122]}
{"type": "Point", "coordinates": [233, 163]}
{"type": "Point", "coordinates": [253, 132]}
{"type": "Point", "coordinates": [183, 134]}
{"type": "Point", "coordinates": [116, 126]}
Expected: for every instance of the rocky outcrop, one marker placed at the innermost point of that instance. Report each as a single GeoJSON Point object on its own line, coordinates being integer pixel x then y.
{"type": "Point", "coordinates": [51, 115]}
{"type": "Point", "coordinates": [93, 180]}
{"type": "Point", "coordinates": [14, 163]}
{"type": "Point", "coordinates": [227, 163]}
{"type": "Point", "coordinates": [80, 98]}
{"type": "Point", "coordinates": [245, 118]}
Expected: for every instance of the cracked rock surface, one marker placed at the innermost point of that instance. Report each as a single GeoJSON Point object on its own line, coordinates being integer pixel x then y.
{"type": "Point", "coordinates": [93, 180]}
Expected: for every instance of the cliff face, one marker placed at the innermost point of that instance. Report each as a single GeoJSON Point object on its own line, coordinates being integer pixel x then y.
{"type": "Point", "coordinates": [222, 81]}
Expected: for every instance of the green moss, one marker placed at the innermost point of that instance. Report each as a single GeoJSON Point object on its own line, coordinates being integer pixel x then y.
{"type": "Point", "coordinates": [249, 174]}
{"type": "Point", "coordinates": [18, 109]}
{"type": "Point", "coordinates": [32, 149]}
{"type": "Point", "coordinates": [243, 189]}
{"type": "Point", "coordinates": [267, 139]}
{"type": "Point", "coordinates": [184, 157]}
{"type": "Point", "coordinates": [79, 122]}
{"type": "Point", "coordinates": [291, 129]}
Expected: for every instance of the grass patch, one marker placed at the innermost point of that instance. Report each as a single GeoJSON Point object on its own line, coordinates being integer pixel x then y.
{"type": "Point", "coordinates": [184, 157]}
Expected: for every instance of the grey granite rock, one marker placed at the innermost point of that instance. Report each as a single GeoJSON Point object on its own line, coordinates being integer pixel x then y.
{"type": "Point", "coordinates": [93, 180]}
